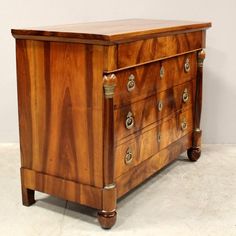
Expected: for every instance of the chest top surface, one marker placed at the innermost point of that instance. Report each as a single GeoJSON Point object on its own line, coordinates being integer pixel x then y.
{"type": "Point", "coordinates": [112, 31]}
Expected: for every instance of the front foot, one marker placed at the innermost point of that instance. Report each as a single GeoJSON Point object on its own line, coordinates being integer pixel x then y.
{"type": "Point", "coordinates": [27, 197]}
{"type": "Point", "coordinates": [107, 219]}
{"type": "Point", "coordinates": [194, 153]}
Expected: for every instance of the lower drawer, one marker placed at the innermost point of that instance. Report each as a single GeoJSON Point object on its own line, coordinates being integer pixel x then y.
{"type": "Point", "coordinates": [150, 142]}
{"type": "Point", "coordinates": [153, 109]}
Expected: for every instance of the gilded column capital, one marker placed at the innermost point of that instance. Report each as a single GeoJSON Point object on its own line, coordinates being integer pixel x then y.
{"type": "Point", "coordinates": [200, 58]}
{"type": "Point", "coordinates": [109, 84]}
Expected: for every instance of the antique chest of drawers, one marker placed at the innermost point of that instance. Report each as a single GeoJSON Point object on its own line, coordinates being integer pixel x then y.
{"type": "Point", "coordinates": [105, 105]}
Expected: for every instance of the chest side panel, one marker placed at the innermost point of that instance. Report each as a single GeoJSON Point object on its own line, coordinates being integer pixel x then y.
{"type": "Point", "coordinates": [60, 109]}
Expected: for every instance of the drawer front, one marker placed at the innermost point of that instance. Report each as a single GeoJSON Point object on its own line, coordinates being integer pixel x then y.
{"type": "Point", "coordinates": [132, 118]}
{"type": "Point", "coordinates": [148, 143]}
{"type": "Point", "coordinates": [142, 51]}
{"type": "Point", "coordinates": [142, 81]}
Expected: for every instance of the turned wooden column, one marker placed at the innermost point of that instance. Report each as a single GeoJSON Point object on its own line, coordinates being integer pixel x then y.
{"type": "Point", "coordinates": [195, 151]}
{"type": "Point", "coordinates": [107, 215]}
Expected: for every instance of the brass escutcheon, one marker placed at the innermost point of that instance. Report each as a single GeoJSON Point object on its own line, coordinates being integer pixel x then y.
{"type": "Point", "coordinates": [185, 95]}
{"type": "Point", "coordinates": [184, 125]}
{"type": "Point", "coordinates": [131, 83]}
{"type": "Point", "coordinates": [128, 156]}
{"type": "Point", "coordinates": [129, 123]}
{"type": "Point", "coordinates": [187, 65]}
{"type": "Point", "coordinates": [159, 137]}
{"type": "Point", "coordinates": [160, 105]}
{"type": "Point", "coordinates": [162, 72]}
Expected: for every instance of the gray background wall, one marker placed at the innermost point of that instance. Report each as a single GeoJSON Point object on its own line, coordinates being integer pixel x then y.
{"type": "Point", "coordinates": [219, 110]}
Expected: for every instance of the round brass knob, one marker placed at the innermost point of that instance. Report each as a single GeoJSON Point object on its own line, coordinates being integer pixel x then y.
{"type": "Point", "coordinates": [128, 156]}
{"type": "Point", "coordinates": [187, 65]}
{"type": "Point", "coordinates": [185, 95]}
{"type": "Point", "coordinates": [131, 83]}
{"type": "Point", "coordinates": [160, 105]}
{"type": "Point", "coordinates": [184, 125]}
{"type": "Point", "coordinates": [162, 72]}
{"type": "Point", "coordinates": [129, 123]}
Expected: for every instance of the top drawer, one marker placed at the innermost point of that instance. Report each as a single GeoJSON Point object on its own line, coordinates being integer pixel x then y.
{"type": "Point", "coordinates": [146, 50]}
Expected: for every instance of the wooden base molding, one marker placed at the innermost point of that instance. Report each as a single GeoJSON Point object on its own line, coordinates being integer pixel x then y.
{"type": "Point", "coordinates": [65, 189]}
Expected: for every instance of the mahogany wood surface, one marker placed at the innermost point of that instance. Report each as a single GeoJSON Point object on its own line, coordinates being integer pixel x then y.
{"type": "Point", "coordinates": [155, 48]}
{"type": "Point", "coordinates": [65, 189]}
{"type": "Point", "coordinates": [60, 109]}
{"type": "Point", "coordinates": [171, 100]}
{"type": "Point", "coordinates": [137, 175]}
{"type": "Point", "coordinates": [76, 86]}
{"type": "Point", "coordinates": [110, 31]}
{"type": "Point", "coordinates": [148, 81]}
{"type": "Point", "coordinates": [110, 58]}
{"type": "Point", "coordinates": [149, 143]}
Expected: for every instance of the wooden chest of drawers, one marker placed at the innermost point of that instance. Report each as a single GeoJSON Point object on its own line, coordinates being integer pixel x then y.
{"type": "Point", "coordinates": [103, 106]}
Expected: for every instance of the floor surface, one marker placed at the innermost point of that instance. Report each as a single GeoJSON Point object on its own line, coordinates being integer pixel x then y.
{"type": "Point", "coordinates": [183, 199]}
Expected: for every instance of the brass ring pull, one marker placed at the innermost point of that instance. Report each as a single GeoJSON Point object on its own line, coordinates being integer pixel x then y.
{"type": "Point", "coordinates": [185, 95]}
{"type": "Point", "coordinates": [160, 105]}
{"type": "Point", "coordinates": [184, 125]}
{"type": "Point", "coordinates": [128, 156]}
{"type": "Point", "coordinates": [131, 83]}
{"type": "Point", "coordinates": [159, 137]}
{"type": "Point", "coordinates": [129, 123]}
{"type": "Point", "coordinates": [187, 65]}
{"type": "Point", "coordinates": [162, 72]}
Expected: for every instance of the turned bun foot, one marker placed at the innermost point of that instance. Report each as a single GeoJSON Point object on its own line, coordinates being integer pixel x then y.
{"type": "Point", "coordinates": [194, 153]}
{"type": "Point", "coordinates": [107, 219]}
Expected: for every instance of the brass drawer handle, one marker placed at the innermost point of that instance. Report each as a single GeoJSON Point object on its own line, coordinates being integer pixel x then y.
{"type": "Point", "coordinates": [185, 95]}
{"type": "Point", "coordinates": [131, 83]}
{"type": "Point", "coordinates": [184, 125]}
{"type": "Point", "coordinates": [159, 137]}
{"type": "Point", "coordinates": [129, 123]}
{"type": "Point", "coordinates": [128, 156]}
{"type": "Point", "coordinates": [187, 65]}
{"type": "Point", "coordinates": [160, 105]}
{"type": "Point", "coordinates": [162, 72]}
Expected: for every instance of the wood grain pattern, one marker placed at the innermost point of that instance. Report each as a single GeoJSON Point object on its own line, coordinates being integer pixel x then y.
{"type": "Point", "coordinates": [148, 81]}
{"type": "Point", "coordinates": [147, 144]}
{"type": "Point", "coordinates": [110, 58]}
{"type": "Point", "coordinates": [109, 31]}
{"type": "Point", "coordinates": [65, 189]}
{"type": "Point", "coordinates": [60, 109]}
{"type": "Point", "coordinates": [73, 101]}
{"type": "Point", "coordinates": [141, 51]}
{"type": "Point", "coordinates": [147, 168]}
{"type": "Point", "coordinates": [145, 112]}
